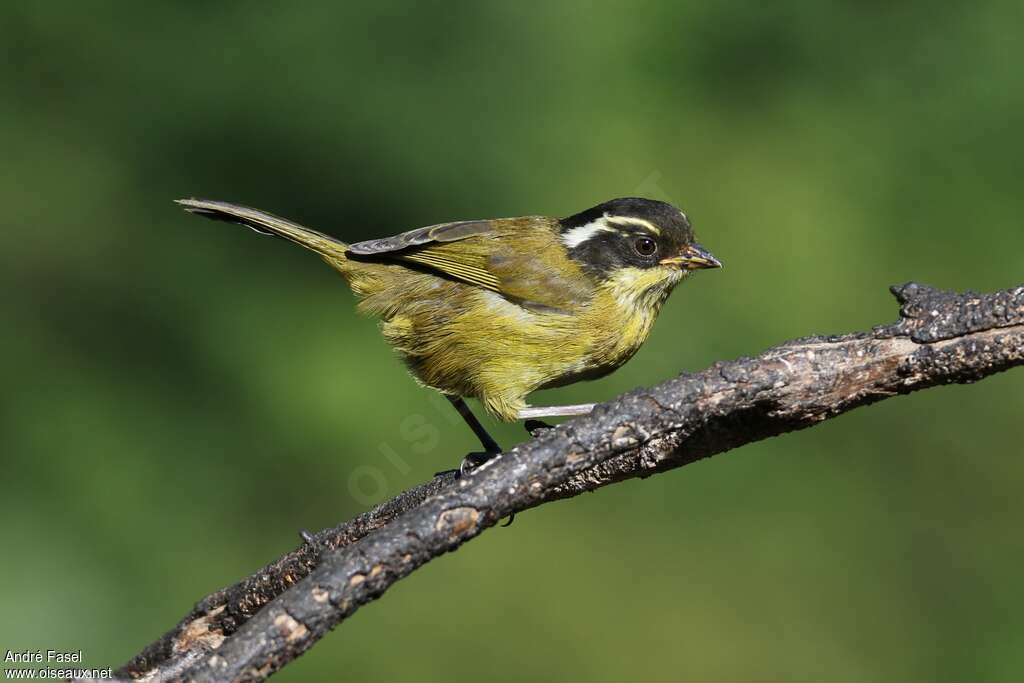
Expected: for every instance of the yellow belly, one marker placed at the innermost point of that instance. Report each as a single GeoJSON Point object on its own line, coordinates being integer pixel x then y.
{"type": "Point", "coordinates": [471, 342]}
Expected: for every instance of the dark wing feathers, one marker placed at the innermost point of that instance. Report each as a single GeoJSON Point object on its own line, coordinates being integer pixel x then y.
{"type": "Point", "coordinates": [519, 258]}
{"type": "Point", "coordinates": [427, 246]}
{"type": "Point", "coordinates": [445, 232]}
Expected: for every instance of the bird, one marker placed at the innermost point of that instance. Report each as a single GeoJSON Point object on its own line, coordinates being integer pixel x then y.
{"type": "Point", "coordinates": [494, 309]}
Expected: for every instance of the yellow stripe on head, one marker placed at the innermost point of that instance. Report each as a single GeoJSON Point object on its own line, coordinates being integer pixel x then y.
{"type": "Point", "coordinates": [630, 220]}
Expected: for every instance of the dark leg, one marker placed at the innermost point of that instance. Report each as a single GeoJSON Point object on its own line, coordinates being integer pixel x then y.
{"type": "Point", "coordinates": [491, 446]}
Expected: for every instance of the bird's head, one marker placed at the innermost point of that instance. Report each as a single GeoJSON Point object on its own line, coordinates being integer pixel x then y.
{"type": "Point", "coordinates": [641, 248]}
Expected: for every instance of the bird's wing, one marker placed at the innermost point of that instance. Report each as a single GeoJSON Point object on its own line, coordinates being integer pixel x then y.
{"type": "Point", "coordinates": [425, 246]}
{"type": "Point", "coordinates": [519, 258]}
{"type": "Point", "coordinates": [444, 232]}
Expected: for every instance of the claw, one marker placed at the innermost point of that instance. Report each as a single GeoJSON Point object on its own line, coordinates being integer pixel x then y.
{"type": "Point", "coordinates": [537, 427]}
{"type": "Point", "coordinates": [474, 460]}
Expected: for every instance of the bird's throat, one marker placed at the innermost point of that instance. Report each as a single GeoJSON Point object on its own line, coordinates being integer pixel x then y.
{"type": "Point", "coordinates": [643, 291]}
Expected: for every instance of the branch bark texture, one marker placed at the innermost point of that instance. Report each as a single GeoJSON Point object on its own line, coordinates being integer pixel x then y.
{"type": "Point", "coordinates": [250, 630]}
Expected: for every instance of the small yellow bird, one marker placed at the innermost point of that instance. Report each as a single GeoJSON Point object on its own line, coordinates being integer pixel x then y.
{"type": "Point", "coordinates": [496, 309]}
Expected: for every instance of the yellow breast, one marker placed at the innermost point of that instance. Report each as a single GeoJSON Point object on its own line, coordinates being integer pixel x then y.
{"type": "Point", "coordinates": [625, 309]}
{"type": "Point", "coordinates": [470, 341]}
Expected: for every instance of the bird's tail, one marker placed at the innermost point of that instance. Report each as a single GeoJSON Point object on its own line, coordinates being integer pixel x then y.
{"type": "Point", "coordinates": [267, 224]}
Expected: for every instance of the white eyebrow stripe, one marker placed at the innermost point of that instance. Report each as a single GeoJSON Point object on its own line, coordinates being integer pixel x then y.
{"type": "Point", "coordinates": [581, 233]}
{"type": "Point", "coordinates": [628, 220]}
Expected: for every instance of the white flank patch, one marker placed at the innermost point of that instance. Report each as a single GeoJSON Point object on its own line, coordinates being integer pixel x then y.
{"type": "Point", "coordinates": [502, 307]}
{"type": "Point", "coordinates": [581, 233]}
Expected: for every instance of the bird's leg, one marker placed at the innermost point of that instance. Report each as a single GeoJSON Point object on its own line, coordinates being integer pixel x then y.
{"type": "Point", "coordinates": [555, 411]}
{"type": "Point", "coordinates": [486, 440]}
{"type": "Point", "coordinates": [491, 447]}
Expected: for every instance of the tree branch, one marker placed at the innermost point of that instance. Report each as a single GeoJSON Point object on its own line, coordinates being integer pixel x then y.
{"type": "Point", "coordinates": [250, 630]}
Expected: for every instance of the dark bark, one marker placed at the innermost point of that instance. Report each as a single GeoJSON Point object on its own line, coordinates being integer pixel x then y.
{"type": "Point", "coordinates": [249, 630]}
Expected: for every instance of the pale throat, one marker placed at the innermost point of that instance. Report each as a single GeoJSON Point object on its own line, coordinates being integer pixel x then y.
{"type": "Point", "coordinates": [643, 290]}
{"type": "Point", "coordinates": [634, 298]}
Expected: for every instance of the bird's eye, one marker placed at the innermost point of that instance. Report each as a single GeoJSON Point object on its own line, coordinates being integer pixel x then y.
{"type": "Point", "coordinates": [645, 246]}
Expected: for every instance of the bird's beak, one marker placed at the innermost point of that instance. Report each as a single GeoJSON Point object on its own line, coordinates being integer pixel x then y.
{"type": "Point", "coordinates": [693, 257]}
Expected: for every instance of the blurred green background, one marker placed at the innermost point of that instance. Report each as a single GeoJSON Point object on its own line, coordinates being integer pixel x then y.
{"type": "Point", "coordinates": [181, 397]}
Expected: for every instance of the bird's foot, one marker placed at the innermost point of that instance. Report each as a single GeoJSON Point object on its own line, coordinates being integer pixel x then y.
{"type": "Point", "coordinates": [469, 463]}
{"type": "Point", "coordinates": [537, 427]}
{"type": "Point", "coordinates": [474, 460]}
